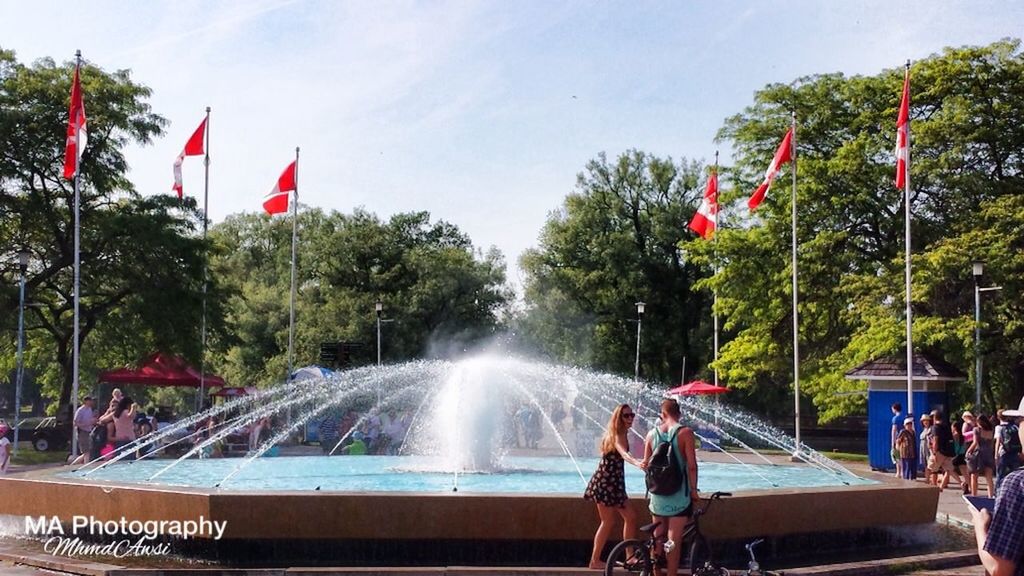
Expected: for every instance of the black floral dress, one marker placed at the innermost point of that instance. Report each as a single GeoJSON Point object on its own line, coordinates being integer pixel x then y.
{"type": "Point", "coordinates": [608, 484]}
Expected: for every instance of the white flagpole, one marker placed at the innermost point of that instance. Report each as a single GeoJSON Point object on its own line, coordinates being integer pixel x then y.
{"type": "Point", "coordinates": [295, 219]}
{"type": "Point", "coordinates": [715, 269]}
{"type": "Point", "coordinates": [796, 321]}
{"type": "Point", "coordinates": [906, 241]}
{"type": "Point", "coordinates": [206, 222]}
{"type": "Point", "coordinates": [78, 265]}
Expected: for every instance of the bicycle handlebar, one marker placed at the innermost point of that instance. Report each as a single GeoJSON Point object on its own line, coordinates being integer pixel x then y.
{"type": "Point", "coordinates": [714, 496]}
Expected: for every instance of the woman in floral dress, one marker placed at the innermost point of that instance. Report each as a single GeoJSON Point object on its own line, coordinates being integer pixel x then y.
{"type": "Point", "coordinates": [607, 487]}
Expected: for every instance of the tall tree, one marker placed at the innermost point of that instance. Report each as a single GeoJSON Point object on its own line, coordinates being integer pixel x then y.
{"type": "Point", "coordinates": [441, 293]}
{"type": "Point", "coordinates": [614, 242]}
{"type": "Point", "coordinates": [141, 262]}
{"type": "Point", "coordinates": [966, 172]}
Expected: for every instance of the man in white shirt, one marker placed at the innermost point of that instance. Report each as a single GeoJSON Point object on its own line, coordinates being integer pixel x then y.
{"type": "Point", "coordinates": [85, 419]}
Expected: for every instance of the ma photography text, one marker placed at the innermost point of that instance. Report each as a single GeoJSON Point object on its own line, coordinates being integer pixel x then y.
{"type": "Point", "coordinates": [129, 537]}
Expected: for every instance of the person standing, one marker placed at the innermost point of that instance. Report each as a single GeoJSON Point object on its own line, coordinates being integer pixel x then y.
{"type": "Point", "coordinates": [924, 452]}
{"type": "Point", "coordinates": [85, 419]}
{"type": "Point", "coordinates": [607, 487]}
{"type": "Point", "coordinates": [894, 431]}
{"type": "Point", "coordinates": [5, 448]}
{"type": "Point", "coordinates": [1000, 536]}
{"type": "Point", "coordinates": [981, 456]}
{"type": "Point", "coordinates": [674, 510]}
{"type": "Point", "coordinates": [906, 446]}
{"type": "Point", "coordinates": [1008, 442]}
{"type": "Point", "coordinates": [943, 452]}
{"type": "Point", "coordinates": [124, 423]}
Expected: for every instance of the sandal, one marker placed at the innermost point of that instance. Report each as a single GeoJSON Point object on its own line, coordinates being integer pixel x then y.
{"type": "Point", "coordinates": [633, 564]}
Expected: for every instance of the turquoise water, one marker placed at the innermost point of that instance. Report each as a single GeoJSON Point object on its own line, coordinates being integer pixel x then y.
{"type": "Point", "coordinates": [518, 475]}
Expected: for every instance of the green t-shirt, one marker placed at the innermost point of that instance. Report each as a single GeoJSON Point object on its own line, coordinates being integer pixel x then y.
{"type": "Point", "coordinates": [675, 503]}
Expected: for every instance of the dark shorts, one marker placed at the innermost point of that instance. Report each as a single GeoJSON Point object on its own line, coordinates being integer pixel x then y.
{"type": "Point", "coordinates": [688, 512]}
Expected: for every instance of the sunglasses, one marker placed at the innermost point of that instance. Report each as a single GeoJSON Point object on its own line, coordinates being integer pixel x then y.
{"type": "Point", "coordinates": [628, 415]}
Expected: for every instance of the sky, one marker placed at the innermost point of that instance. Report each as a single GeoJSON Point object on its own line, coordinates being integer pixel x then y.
{"type": "Point", "coordinates": [481, 113]}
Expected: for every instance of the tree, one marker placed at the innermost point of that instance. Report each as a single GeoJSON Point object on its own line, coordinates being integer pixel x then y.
{"type": "Point", "coordinates": [966, 172]}
{"type": "Point", "coordinates": [615, 242]}
{"type": "Point", "coordinates": [141, 263]}
{"type": "Point", "coordinates": [442, 294]}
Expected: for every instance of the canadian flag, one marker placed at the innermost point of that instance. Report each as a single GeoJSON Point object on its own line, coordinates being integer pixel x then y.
{"type": "Point", "coordinates": [277, 201]}
{"type": "Point", "coordinates": [76, 129]}
{"type": "Point", "coordinates": [903, 134]}
{"type": "Point", "coordinates": [783, 155]}
{"type": "Point", "coordinates": [705, 221]}
{"type": "Point", "coordinates": [194, 147]}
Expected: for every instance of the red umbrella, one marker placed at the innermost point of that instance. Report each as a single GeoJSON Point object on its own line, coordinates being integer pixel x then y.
{"type": "Point", "coordinates": [698, 387]}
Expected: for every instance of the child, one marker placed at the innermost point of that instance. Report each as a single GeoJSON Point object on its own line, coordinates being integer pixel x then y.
{"type": "Point", "coordinates": [906, 444]}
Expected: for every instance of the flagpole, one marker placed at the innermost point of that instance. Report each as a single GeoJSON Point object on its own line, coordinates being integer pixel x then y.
{"type": "Point", "coordinates": [796, 321]}
{"type": "Point", "coordinates": [206, 223]}
{"type": "Point", "coordinates": [715, 270]}
{"type": "Point", "coordinates": [291, 319]}
{"type": "Point", "coordinates": [75, 351]}
{"type": "Point", "coordinates": [906, 241]}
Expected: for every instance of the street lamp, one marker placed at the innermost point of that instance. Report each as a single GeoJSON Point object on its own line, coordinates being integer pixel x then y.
{"type": "Point", "coordinates": [23, 257]}
{"type": "Point", "coordinates": [379, 307]}
{"type": "Point", "coordinates": [977, 269]}
{"type": "Point", "coordinates": [639, 321]}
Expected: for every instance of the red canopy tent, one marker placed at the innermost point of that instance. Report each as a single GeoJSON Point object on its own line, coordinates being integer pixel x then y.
{"type": "Point", "coordinates": [160, 369]}
{"type": "Point", "coordinates": [698, 387]}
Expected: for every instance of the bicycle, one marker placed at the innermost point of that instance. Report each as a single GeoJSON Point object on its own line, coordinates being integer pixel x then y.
{"type": "Point", "coordinates": [643, 557]}
{"type": "Point", "coordinates": [754, 567]}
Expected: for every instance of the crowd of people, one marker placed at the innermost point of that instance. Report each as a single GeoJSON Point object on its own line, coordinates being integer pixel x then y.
{"type": "Point", "coordinates": [102, 435]}
{"type": "Point", "coordinates": [375, 433]}
{"type": "Point", "coordinates": [962, 451]}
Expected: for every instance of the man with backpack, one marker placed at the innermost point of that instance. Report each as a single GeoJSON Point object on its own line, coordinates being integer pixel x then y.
{"type": "Point", "coordinates": [671, 474]}
{"type": "Point", "coordinates": [1008, 442]}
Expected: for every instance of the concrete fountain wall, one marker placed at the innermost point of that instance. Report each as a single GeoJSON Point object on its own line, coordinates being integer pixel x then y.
{"type": "Point", "coordinates": [454, 516]}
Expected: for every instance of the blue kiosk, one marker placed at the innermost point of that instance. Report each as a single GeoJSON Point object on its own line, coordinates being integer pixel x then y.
{"type": "Point", "coordinates": [887, 384]}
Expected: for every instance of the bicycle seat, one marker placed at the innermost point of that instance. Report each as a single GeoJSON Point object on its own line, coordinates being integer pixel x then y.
{"type": "Point", "coordinates": [649, 527]}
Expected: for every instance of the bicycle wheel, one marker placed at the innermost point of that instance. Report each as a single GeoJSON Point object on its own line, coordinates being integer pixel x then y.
{"type": "Point", "coordinates": [700, 554]}
{"type": "Point", "coordinates": [621, 561]}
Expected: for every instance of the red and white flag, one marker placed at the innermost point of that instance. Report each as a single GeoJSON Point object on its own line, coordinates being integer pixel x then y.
{"type": "Point", "coordinates": [277, 201]}
{"type": "Point", "coordinates": [194, 147]}
{"type": "Point", "coordinates": [903, 134]}
{"type": "Point", "coordinates": [76, 138]}
{"type": "Point", "coordinates": [783, 155]}
{"type": "Point", "coordinates": [705, 221]}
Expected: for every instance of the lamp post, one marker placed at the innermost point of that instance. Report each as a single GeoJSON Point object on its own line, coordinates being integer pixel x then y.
{"type": "Point", "coordinates": [23, 257]}
{"type": "Point", "coordinates": [639, 322]}
{"type": "Point", "coordinates": [977, 269]}
{"type": "Point", "coordinates": [379, 307]}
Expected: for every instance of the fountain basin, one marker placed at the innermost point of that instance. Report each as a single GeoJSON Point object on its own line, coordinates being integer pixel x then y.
{"type": "Point", "coordinates": [333, 515]}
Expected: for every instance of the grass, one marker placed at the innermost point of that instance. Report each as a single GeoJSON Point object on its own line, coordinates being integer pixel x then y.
{"type": "Point", "coordinates": [28, 456]}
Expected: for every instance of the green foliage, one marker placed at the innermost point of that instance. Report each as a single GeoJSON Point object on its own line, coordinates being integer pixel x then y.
{"type": "Point", "coordinates": [141, 262]}
{"type": "Point", "coordinates": [439, 294]}
{"type": "Point", "coordinates": [966, 175]}
{"type": "Point", "coordinates": [615, 242]}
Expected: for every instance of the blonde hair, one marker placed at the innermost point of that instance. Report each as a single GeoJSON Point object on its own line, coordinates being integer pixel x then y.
{"type": "Point", "coordinates": [609, 442]}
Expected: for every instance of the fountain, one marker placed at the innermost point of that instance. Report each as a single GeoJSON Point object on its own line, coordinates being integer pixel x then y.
{"type": "Point", "coordinates": [487, 437]}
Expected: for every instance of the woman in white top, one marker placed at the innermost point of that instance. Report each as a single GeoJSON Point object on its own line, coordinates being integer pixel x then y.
{"type": "Point", "coordinates": [5, 449]}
